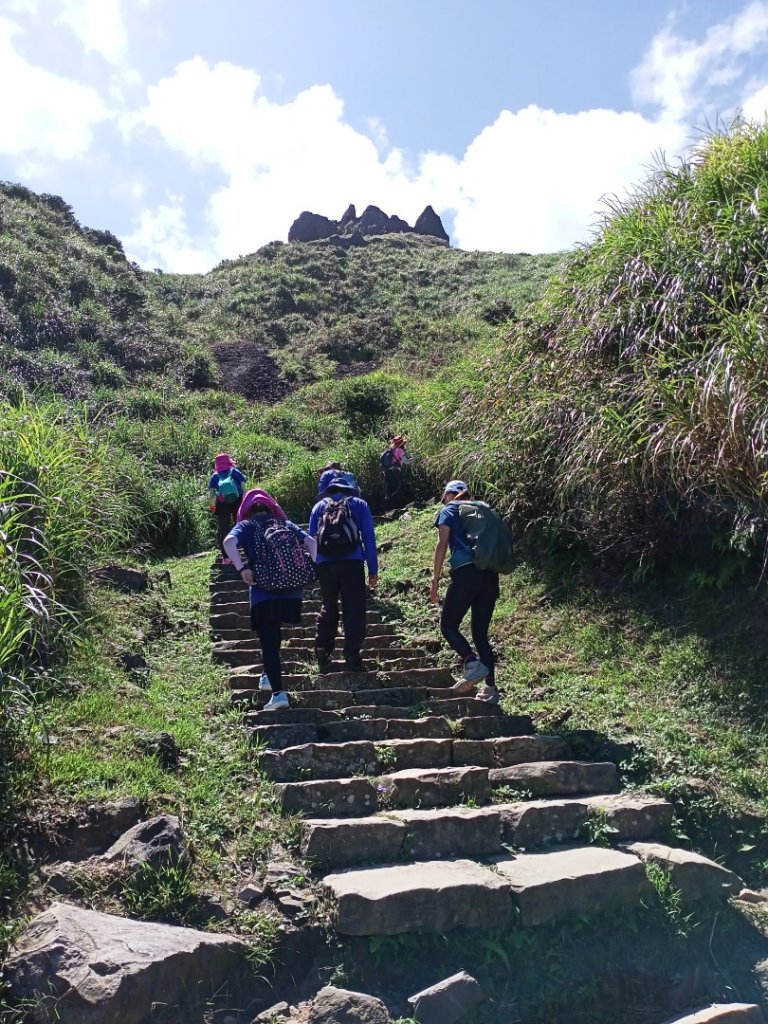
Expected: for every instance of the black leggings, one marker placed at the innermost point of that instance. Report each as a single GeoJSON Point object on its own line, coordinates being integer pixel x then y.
{"type": "Point", "coordinates": [270, 636]}
{"type": "Point", "coordinates": [475, 590]}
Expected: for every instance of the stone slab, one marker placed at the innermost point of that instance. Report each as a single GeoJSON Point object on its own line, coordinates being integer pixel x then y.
{"type": "Point", "coordinates": [697, 877]}
{"type": "Point", "coordinates": [450, 832]}
{"type": "Point", "coordinates": [337, 797]}
{"type": "Point", "coordinates": [577, 880]}
{"type": "Point", "coordinates": [439, 787]}
{"type": "Point", "coordinates": [559, 778]}
{"type": "Point", "coordinates": [723, 1013]}
{"type": "Point", "coordinates": [397, 755]}
{"type": "Point", "coordinates": [422, 896]}
{"type": "Point", "coordinates": [485, 727]}
{"type": "Point", "coordinates": [319, 761]}
{"type": "Point", "coordinates": [431, 727]}
{"type": "Point", "coordinates": [348, 729]}
{"type": "Point", "coordinates": [449, 1001]}
{"type": "Point", "coordinates": [338, 843]}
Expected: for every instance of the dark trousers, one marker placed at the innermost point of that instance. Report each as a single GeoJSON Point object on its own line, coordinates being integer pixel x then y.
{"type": "Point", "coordinates": [476, 591]}
{"type": "Point", "coordinates": [270, 636]}
{"type": "Point", "coordinates": [226, 517]}
{"type": "Point", "coordinates": [345, 580]}
{"type": "Point", "coordinates": [393, 487]}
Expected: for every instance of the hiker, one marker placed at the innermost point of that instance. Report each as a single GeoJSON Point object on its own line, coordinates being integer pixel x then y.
{"type": "Point", "coordinates": [332, 470]}
{"type": "Point", "coordinates": [225, 488]}
{"type": "Point", "coordinates": [392, 461]}
{"type": "Point", "coordinates": [475, 565]}
{"type": "Point", "coordinates": [277, 567]}
{"type": "Point", "coordinates": [342, 524]}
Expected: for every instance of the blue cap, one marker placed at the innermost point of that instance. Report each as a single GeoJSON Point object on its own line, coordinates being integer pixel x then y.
{"type": "Point", "coordinates": [455, 487]}
{"type": "Point", "coordinates": [339, 483]}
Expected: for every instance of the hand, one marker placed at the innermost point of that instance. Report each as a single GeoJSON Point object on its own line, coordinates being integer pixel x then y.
{"type": "Point", "coordinates": [434, 593]}
{"type": "Point", "coordinates": [246, 576]}
{"type": "Point", "coordinates": [373, 582]}
{"type": "Point", "coordinates": [212, 508]}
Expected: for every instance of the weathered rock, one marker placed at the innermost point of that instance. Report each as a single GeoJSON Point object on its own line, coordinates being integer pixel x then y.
{"type": "Point", "coordinates": [319, 761]}
{"type": "Point", "coordinates": [449, 1001]}
{"type": "Point", "coordinates": [338, 844]}
{"type": "Point", "coordinates": [251, 893]}
{"type": "Point", "coordinates": [752, 896]}
{"type": "Point", "coordinates": [280, 874]}
{"type": "Point", "coordinates": [338, 1006]}
{"type": "Point", "coordinates": [451, 832]}
{"type": "Point", "coordinates": [723, 1013]}
{"type": "Point", "coordinates": [373, 221]}
{"type": "Point", "coordinates": [343, 797]}
{"type": "Point", "coordinates": [163, 746]}
{"type": "Point", "coordinates": [541, 822]}
{"type": "Point", "coordinates": [349, 216]}
{"type": "Point", "coordinates": [428, 223]}
{"type": "Point", "coordinates": [697, 877]}
{"type": "Point", "coordinates": [558, 778]}
{"type": "Point", "coordinates": [133, 661]}
{"type": "Point", "coordinates": [157, 841]}
{"type": "Point", "coordinates": [122, 578]}
{"type": "Point", "coordinates": [309, 227]}
{"type": "Point", "coordinates": [578, 880]}
{"type": "Point", "coordinates": [425, 895]}
{"type": "Point", "coordinates": [428, 728]}
{"type": "Point", "coordinates": [433, 787]}
{"type": "Point", "coordinates": [89, 968]}
{"type": "Point", "coordinates": [398, 755]}
{"type": "Point", "coordinates": [396, 225]}
{"type": "Point", "coordinates": [273, 1013]}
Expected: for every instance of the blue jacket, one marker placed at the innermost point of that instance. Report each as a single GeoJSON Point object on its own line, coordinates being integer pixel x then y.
{"type": "Point", "coordinates": [366, 550]}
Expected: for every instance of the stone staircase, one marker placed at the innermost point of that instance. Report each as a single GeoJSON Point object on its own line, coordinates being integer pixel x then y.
{"type": "Point", "coordinates": [426, 811]}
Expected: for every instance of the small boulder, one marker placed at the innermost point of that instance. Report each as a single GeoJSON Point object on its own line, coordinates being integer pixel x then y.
{"type": "Point", "coordinates": [339, 1006]}
{"type": "Point", "coordinates": [155, 842]}
{"type": "Point", "coordinates": [723, 1013]}
{"type": "Point", "coordinates": [429, 223]}
{"type": "Point", "coordinates": [449, 1001]}
{"type": "Point", "coordinates": [311, 227]}
{"type": "Point", "coordinates": [163, 746]}
{"type": "Point", "coordinates": [697, 877]}
{"type": "Point", "coordinates": [279, 1010]}
{"type": "Point", "coordinates": [86, 968]}
{"type": "Point", "coordinates": [396, 225]}
{"type": "Point", "coordinates": [96, 828]}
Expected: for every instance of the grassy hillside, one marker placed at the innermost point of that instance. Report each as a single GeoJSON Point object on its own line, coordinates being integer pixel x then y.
{"type": "Point", "coordinates": [628, 410]}
{"type": "Point", "coordinates": [78, 319]}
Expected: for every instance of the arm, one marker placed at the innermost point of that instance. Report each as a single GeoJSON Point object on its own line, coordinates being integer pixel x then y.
{"type": "Point", "coordinates": [311, 545]}
{"type": "Point", "coordinates": [313, 519]}
{"type": "Point", "coordinates": [368, 537]}
{"type": "Point", "coordinates": [233, 551]}
{"type": "Point", "coordinates": [440, 550]}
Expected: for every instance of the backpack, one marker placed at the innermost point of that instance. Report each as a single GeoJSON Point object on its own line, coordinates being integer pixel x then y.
{"type": "Point", "coordinates": [337, 532]}
{"type": "Point", "coordinates": [227, 488]}
{"type": "Point", "coordinates": [282, 562]}
{"type": "Point", "coordinates": [387, 459]}
{"type": "Point", "coordinates": [488, 536]}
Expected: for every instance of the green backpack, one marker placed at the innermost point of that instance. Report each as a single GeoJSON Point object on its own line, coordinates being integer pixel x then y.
{"type": "Point", "coordinates": [227, 488]}
{"type": "Point", "coordinates": [488, 536]}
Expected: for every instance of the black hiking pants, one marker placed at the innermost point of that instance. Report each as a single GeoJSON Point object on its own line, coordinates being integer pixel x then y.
{"type": "Point", "coordinates": [226, 518]}
{"type": "Point", "coordinates": [393, 487]}
{"type": "Point", "coordinates": [345, 580]}
{"type": "Point", "coordinates": [470, 590]}
{"type": "Point", "coordinates": [270, 636]}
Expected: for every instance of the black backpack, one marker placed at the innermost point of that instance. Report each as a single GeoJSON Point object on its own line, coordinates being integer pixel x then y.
{"type": "Point", "coordinates": [282, 562]}
{"type": "Point", "coordinates": [387, 459]}
{"type": "Point", "coordinates": [337, 532]}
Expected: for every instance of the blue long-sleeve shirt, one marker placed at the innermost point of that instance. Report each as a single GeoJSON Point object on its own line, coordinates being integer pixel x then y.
{"type": "Point", "coordinates": [366, 549]}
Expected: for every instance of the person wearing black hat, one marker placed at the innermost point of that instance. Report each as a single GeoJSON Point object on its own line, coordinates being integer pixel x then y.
{"type": "Point", "coordinates": [342, 524]}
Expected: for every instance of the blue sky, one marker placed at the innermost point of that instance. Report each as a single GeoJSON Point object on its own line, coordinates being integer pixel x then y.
{"type": "Point", "coordinates": [197, 131]}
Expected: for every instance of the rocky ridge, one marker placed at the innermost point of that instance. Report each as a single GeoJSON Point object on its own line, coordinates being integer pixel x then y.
{"type": "Point", "coordinates": [352, 230]}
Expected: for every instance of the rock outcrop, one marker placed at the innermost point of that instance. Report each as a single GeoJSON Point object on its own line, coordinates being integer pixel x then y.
{"type": "Point", "coordinates": [352, 230]}
{"type": "Point", "coordinates": [96, 967]}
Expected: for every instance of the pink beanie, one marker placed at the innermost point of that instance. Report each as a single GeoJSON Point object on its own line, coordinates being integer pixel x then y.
{"type": "Point", "coordinates": [223, 462]}
{"type": "Point", "coordinates": [259, 497]}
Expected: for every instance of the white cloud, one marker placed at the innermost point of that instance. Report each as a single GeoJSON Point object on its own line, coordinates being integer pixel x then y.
{"type": "Point", "coordinates": [677, 74]}
{"type": "Point", "coordinates": [98, 24]}
{"type": "Point", "coordinates": [162, 239]}
{"type": "Point", "coordinates": [43, 113]}
{"type": "Point", "coordinates": [755, 106]}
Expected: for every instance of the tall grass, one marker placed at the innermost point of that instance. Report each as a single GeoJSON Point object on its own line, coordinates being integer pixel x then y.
{"type": "Point", "coordinates": [630, 408]}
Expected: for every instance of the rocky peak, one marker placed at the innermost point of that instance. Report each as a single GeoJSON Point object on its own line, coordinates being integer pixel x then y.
{"type": "Point", "coordinates": [352, 230]}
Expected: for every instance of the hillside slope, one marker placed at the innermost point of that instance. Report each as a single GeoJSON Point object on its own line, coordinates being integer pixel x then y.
{"type": "Point", "coordinates": [76, 315]}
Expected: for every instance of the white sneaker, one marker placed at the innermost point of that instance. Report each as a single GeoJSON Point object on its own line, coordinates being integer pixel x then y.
{"type": "Point", "coordinates": [277, 701]}
{"type": "Point", "coordinates": [264, 683]}
{"type": "Point", "coordinates": [474, 670]}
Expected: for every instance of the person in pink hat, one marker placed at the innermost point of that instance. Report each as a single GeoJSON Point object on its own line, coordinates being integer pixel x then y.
{"type": "Point", "coordinates": [226, 488]}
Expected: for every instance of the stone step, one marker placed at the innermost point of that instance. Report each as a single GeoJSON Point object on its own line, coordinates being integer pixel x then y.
{"type": "Point", "coordinates": [412, 787]}
{"type": "Point", "coordinates": [434, 678]}
{"type": "Point", "coordinates": [722, 1013]}
{"type": "Point", "coordinates": [361, 757]}
{"type": "Point", "coordinates": [557, 778]}
{"type": "Point", "coordinates": [306, 637]}
{"type": "Point", "coordinates": [374, 647]}
{"type": "Point", "coordinates": [242, 623]}
{"type": "Point", "coordinates": [446, 833]}
{"type": "Point", "coordinates": [440, 895]}
{"type": "Point", "coordinates": [380, 657]}
{"type": "Point", "coordinates": [235, 616]}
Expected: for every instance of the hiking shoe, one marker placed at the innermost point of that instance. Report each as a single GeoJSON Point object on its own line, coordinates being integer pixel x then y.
{"type": "Point", "coordinates": [264, 683]}
{"type": "Point", "coordinates": [463, 686]}
{"type": "Point", "coordinates": [355, 664]}
{"type": "Point", "coordinates": [324, 662]}
{"type": "Point", "coordinates": [277, 701]}
{"type": "Point", "coordinates": [474, 670]}
{"type": "Point", "coordinates": [489, 694]}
